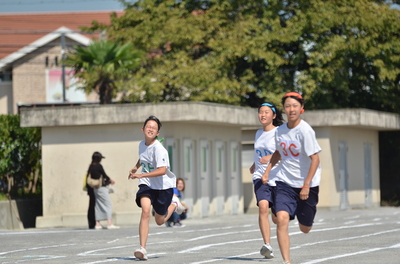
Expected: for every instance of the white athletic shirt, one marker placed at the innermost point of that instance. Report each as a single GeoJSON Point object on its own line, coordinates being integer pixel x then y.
{"type": "Point", "coordinates": [264, 145]}
{"type": "Point", "coordinates": [296, 145]}
{"type": "Point", "coordinates": [151, 158]}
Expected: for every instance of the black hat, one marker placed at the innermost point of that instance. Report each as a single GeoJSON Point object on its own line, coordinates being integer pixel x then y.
{"type": "Point", "coordinates": [98, 155]}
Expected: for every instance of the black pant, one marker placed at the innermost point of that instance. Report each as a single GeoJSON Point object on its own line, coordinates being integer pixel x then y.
{"type": "Point", "coordinates": [92, 202]}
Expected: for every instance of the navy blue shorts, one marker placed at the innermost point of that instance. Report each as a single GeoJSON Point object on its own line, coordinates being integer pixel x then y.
{"type": "Point", "coordinates": [288, 199]}
{"type": "Point", "coordinates": [160, 199]}
{"type": "Point", "coordinates": [263, 192]}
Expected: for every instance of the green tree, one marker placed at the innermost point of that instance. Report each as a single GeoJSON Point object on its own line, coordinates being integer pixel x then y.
{"type": "Point", "coordinates": [103, 66]}
{"type": "Point", "coordinates": [337, 53]}
{"type": "Point", "coordinates": [20, 157]}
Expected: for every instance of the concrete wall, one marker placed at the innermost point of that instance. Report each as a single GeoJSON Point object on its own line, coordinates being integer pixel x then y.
{"type": "Point", "coordinates": [330, 192]}
{"type": "Point", "coordinates": [204, 141]}
{"type": "Point", "coordinates": [6, 98]}
{"type": "Point", "coordinates": [67, 153]}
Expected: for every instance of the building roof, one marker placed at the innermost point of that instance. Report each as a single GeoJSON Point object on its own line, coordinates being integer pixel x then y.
{"type": "Point", "coordinates": [43, 41]}
{"type": "Point", "coordinates": [20, 30]}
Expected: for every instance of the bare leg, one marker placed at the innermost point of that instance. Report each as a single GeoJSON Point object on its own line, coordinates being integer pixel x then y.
{"type": "Point", "coordinates": [161, 219]}
{"type": "Point", "coordinates": [263, 221]}
{"type": "Point", "coordinates": [145, 203]}
{"type": "Point", "coordinates": [282, 232]}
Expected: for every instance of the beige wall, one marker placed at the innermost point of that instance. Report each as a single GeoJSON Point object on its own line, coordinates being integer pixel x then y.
{"type": "Point", "coordinates": [67, 153]}
{"type": "Point", "coordinates": [6, 98]}
{"type": "Point", "coordinates": [355, 139]}
{"type": "Point", "coordinates": [328, 138]}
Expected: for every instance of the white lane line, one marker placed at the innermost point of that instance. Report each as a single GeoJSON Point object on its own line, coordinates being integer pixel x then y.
{"type": "Point", "coordinates": [345, 238]}
{"type": "Point", "coordinates": [29, 232]}
{"type": "Point", "coordinates": [227, 258]}
{"type": "Point", "coordinates": [97, 251]}
{"type": "Point", "coordinates": [222, 234]}
{"type": "Point", "coordinates": [35, 248]}
{"type": "Point", "coordinates": [351, 254]}
{"type": "Point", "coordinates": [127, 258]}
{"type": "Point", "coordinates": [297, 247]}
{"type": "Point", "coordinates": [291, 234]}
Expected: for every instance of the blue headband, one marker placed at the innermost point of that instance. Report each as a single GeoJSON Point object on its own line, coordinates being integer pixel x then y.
{"type": "Point", "coordinates": [270, 106]}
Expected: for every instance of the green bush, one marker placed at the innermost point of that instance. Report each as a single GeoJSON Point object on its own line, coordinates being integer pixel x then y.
{"type": "Point", "coordinates": [20, 159]}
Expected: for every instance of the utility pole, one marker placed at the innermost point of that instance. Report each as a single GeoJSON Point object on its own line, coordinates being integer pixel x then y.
{"type": "Point", "coordinates": [63, 65]}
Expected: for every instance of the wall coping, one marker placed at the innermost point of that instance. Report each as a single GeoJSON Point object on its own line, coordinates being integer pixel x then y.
{"type": "Point", "coordinates": [204, 112]}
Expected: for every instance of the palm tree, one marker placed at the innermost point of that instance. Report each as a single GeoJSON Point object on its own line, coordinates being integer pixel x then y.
{"type": "Point", "coordinates": [101, 65]}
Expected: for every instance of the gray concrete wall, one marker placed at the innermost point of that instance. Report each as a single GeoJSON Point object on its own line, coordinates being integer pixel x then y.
{"type": "Point", "coordinates": [72, 134]}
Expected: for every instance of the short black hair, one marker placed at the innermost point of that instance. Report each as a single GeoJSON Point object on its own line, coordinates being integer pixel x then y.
{"type": "Point", "coordinates": [154, 119]}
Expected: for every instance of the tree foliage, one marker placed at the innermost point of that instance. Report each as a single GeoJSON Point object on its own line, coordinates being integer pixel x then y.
{"type": "Point", "coordinates": [336, 53]}
{"type": "Point", "coordinates": [103, 66]}
{"type": "Point", "coordinates": [20, 157]}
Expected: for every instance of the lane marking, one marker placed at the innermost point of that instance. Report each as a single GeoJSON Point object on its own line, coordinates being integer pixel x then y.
{"type": "Point", "coordinates": [291, 234]}
{"type": "Point", "coordinates": [304, 245]}
{"type": "Point", "coordinates": [351, 254]}
{"type": "Point", "coordinates": [35, 248]}
{"type": "Point", "coordinates": [126, 258]}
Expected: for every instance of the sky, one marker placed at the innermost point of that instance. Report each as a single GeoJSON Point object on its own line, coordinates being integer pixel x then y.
{"type": "Point", "coordinates": [26, 6]}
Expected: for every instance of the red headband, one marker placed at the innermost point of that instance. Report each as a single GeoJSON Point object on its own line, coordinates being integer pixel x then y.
{"type": "Point", "coordinates": [295, 94]}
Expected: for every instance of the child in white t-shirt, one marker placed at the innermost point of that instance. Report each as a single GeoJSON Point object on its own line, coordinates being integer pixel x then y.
{"type": "Point", "coordinates": [299, 173]}
{"type": "Point", "coordinates": [264, 146]}
{"type": "Point", "coordinates": [156, 183]}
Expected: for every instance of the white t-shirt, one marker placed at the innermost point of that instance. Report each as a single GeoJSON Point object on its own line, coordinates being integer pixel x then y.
{"type": "Point", "coordinates": [151, 158]}
{"type": "Point", "coordinates": [296, 145]}
{"type": "Point", "coordinates": [264, 145]}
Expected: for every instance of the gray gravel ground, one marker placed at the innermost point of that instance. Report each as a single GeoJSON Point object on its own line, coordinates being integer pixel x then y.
{"type": "Point", "coordinates": [353, 236]}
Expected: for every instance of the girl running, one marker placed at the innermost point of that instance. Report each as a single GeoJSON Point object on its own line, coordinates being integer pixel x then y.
{"type": "Point", "coordinates": [298, 178]}
{"type": "Point", "coordinates": [264, 146]}
{"type": "Point", "coordinates": [156, 183]}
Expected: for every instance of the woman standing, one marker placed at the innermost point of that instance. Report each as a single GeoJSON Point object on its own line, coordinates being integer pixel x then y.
{"type": "Point", "coordinates": [103, 207]}
{"type": "Point", "coordinates": [298, 178]}
{"type": "Point", "coordinates": [264, 146]}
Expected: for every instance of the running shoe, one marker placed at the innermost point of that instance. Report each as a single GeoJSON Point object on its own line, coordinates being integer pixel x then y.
{"type": "Point", "coordinates": [178, 224]}
{"type": "Point", "coordinates": [179, 207]}
{"type": "Point", "coordinates": [141, 254]}
{"type": "Point", "coordinates": [112, 227]}
{"type": "Point", "coordinates": [98, 227]}
{"type": "Point", "coordinates": [266, 251]}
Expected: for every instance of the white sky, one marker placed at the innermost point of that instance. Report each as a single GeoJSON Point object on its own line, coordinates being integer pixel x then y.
{"type": "Point", "coordinates": [26, 6]}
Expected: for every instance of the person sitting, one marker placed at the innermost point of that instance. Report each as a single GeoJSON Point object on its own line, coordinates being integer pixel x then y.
{"type": "Point", "coordinates": [175, 219]}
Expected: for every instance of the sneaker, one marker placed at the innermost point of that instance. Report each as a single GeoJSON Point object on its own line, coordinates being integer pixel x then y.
{"type": "Point", "coordinates": [177, 224]}
{"type": "Point", "coordinates": [285, 262]}
{"type": "Point", "coordinates": [141, 254]}
{"type": "Point", "coordinates": [98, 227]}
{"type": "Point", "coordinates": [179, 207]}
{"type": "Point", "coordinates": [112, 227]}
{"type": "Point", "coordinates": [266, 251]}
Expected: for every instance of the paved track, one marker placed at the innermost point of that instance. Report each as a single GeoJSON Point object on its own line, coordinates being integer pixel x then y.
{"type": "Point", "coordinates": [354, 236]}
